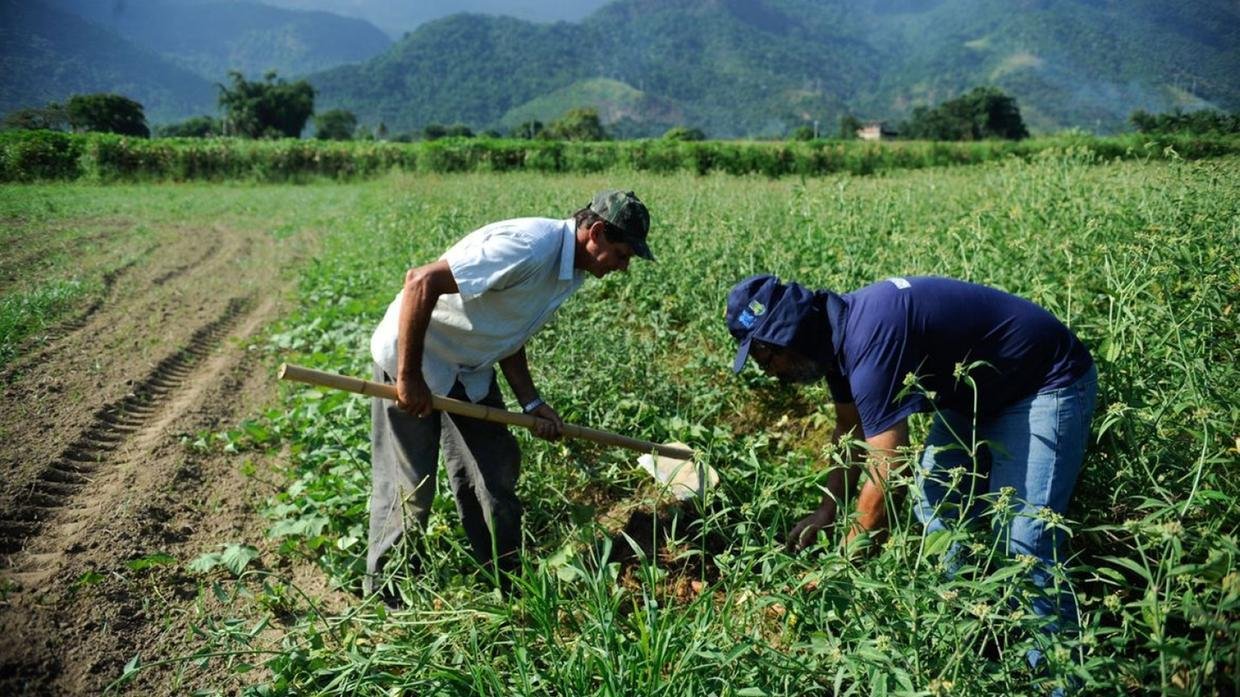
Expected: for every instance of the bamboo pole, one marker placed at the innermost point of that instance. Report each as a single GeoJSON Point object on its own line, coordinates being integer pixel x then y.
{"type": "Point", "coordinates": [482, 412]}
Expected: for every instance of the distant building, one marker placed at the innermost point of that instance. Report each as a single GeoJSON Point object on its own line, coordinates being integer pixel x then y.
{"type": "Point", "coordinates": [875, 130]}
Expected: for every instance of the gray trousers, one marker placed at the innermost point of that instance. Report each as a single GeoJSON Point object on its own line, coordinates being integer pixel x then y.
{"type": "Point", "coordinates": [483, 462]}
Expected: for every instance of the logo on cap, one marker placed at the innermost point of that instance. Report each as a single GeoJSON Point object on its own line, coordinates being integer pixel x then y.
{"type": "Point", "coordinates": [749, 316]}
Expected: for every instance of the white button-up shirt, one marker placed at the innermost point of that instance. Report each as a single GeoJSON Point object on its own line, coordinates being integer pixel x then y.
{"type": "Point", "coordinates": [512, 277]}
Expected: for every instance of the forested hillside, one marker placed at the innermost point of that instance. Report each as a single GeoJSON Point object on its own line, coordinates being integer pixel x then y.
{"type": "Point", "coordinates": [212, 37]}
{"type": "Point", "coordinates": [1085, 63]}
{"type": "Point", "coordinates": [733, 68]}
{"type": "Point", "coordinates": [465, 68]}
{"type": "Point", "coordinates": [47, 55]}
{"type": "Point", "coordinates": [761, 67]}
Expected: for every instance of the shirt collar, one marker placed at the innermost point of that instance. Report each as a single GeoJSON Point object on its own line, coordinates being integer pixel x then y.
{"type": "Point", "coordinates": [568, 251]}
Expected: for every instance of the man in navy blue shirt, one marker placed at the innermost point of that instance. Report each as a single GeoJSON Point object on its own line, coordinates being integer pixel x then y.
{"type": "Point", "coordinates": [1011, 389]}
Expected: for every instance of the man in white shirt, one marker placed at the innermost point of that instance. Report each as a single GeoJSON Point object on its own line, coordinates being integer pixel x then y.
{"type": "Point", "coordinates": [453, 321]}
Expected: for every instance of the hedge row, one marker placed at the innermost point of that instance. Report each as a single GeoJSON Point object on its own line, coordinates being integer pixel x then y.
{"type": "Point", "coordinates": [47, 155]}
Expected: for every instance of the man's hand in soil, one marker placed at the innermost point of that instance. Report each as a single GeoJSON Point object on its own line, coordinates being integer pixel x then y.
{"type": "Point", "coordinates": [805, 533]}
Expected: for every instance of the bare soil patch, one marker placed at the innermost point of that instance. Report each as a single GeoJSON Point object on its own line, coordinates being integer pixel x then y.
{"type": "Point", "coordinates": [96, 473]}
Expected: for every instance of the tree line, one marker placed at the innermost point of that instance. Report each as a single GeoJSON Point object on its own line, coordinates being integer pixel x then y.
{"type": "Point", "coordinates": [1202, 121]}
{"type": "Point", "coordinates": [276, 108]}
{"type": "Point", "coordinates": [268, 108]}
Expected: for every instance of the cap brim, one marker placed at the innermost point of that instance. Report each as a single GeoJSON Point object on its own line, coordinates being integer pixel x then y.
{"type": "Point", "coordinates": [641, 249]}
{"type": "Point", "coordinates": [741, 354]}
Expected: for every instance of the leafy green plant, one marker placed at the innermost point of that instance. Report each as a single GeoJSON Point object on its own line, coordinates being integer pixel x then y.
{"type": "Point", "coordinates": [234, 557]}
{"type": "Point", "coordinates": [150, 561]}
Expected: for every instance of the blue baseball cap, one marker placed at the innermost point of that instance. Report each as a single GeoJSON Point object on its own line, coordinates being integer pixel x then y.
{"type": "Point", "coordinates": [763, 309]}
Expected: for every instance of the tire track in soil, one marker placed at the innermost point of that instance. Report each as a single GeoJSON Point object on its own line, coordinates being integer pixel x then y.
{"type": "Point", "coordinates": [82, 462]}
{"type": "Point", "coordinates": [96, 476]}
{"type": "Point", "coordinates": [19, 262]}
{"type": "Point", "coordinates": [64, 328]}
{"type": "Point", "coordinates": [32, 355]}
{"type": "Point", "coordinates": [178, 270]}
{"type": "Point", "coordinates": [54, 391]}
{"type": "Point", "coordinates": [78, 641]}
{"type": "Point", "coordinates": [109, 285]}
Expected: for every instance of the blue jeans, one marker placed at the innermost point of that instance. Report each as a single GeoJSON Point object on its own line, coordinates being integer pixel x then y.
{"type": "Point", "coordinates": [1035, 447]}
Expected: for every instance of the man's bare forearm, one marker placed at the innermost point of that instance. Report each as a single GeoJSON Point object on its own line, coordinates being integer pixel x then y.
{"type": "Point", "coordinates": [872, 501]}
{"type": "Point", "coordinates": [842, 480]}
{"type": "Point", "coordinates": [423, 286]}
{"type": "Point", "coordinates": [882, 458]}
{"type": "Point", "coordinates": [516, 369]}
{"type": "Point", "coordinates": [839, 481]}
{"type": "Point", "coordinates": [415, 311]}
{"type": "Point", "coordinates": [517, 372]}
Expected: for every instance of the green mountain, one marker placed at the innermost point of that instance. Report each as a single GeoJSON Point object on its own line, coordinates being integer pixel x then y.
{"type": "Point", "coordinates": [761, 67]}
{"type": "Point", "coordinates": [734, 68]}
{"type": "Point", "coordinates": [739, 67]}
{"type": "Point", "coordinates": [732, 71]}
{"type": "Point", "coordinates": [615, 101]}
{"type": "Point", "coordinates": [1086, 63]}
{"type": "Point", "coordinates": [47, 55]}
{"type": "Point", "coordinates": [464, 68]}
{"type": "Point", "coordinates": [212, 37]}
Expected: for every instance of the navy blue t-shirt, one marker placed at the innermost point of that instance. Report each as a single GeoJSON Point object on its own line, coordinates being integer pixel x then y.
{"type": "Point", "coordinates": [927, 325]}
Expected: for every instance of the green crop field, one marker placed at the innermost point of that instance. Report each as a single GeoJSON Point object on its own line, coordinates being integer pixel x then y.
{"type": "Point", "coordinates": [623, 595]}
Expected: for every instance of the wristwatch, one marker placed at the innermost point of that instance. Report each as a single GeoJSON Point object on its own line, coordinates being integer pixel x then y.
{"type": "Point", "coordinates": [532, 405]}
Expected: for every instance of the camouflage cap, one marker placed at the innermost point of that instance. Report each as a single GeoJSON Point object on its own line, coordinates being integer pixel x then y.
{"type": "Point", "coordinates": [627, 214]}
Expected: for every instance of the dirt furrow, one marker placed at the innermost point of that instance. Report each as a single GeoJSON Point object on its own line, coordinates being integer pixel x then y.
{"type": "Point", "coordinates": [113, 424]}
{"type": "Point", "coordinates": [178, 270]}
{"type": "Point", "coordinates": [96, 473]}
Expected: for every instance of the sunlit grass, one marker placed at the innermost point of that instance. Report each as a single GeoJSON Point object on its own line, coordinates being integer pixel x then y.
{"type": "Point", "coordinates": [25, 313]}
